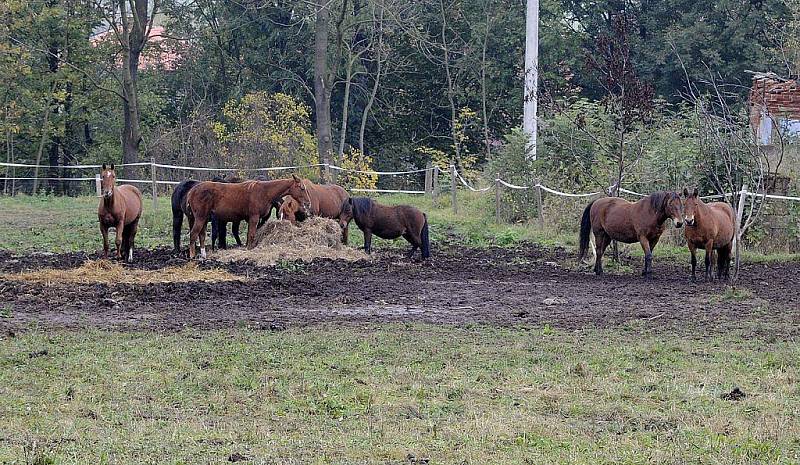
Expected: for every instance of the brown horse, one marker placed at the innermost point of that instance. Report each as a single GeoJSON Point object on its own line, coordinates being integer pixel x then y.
{"type": "Point", "coordinates": [387, 223]}
{"type": "Point", "coordinates": [616, 219]}
{"type": "Point", "coordinates": [120, 208]}
{"type": "Point", "coordinates": [249, 200]}
{"type": "Point", "coordinates": [711, 227]}
{"type": "Point", "coordinates": [327, 201]}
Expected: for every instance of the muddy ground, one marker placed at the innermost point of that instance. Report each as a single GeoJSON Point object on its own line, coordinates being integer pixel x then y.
{"type": "Point", "coordinates": [525, 286]}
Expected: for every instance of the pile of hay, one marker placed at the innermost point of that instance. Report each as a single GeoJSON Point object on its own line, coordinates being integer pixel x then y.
{"type": "Point", "coordinates": [280, 241]}
{"type": "Point", "coordinates": [107, 272]}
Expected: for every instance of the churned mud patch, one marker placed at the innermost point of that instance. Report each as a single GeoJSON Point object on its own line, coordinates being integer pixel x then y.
{"type": "Point", "coordinates": [279, 241]}
{"type": "Point", "coordinates": [108, 272]}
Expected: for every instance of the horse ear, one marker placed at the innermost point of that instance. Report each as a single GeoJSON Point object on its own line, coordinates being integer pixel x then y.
{"type": "Point", "coordinates": [112, 167]}
{"type": "Point", "coordinates": [296, 179]}
{"type": "Point", "coordinates": [103, 167]}
{"type": "Point", "coordinates": [694, 194]}
{"type": "Point", "coordinates": [685, 192]}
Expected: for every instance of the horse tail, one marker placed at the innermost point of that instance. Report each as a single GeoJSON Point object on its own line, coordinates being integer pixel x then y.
{"type": "Point", "coordinates": [425, 239]}
{"type": "Point", "coordinates": [586, 228]}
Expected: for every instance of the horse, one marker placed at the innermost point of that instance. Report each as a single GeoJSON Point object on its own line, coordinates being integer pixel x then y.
{"type": "Point", "coordinates": [616, 219]}
{"type": "Point", "coordinates": [219, 229]}
{"type": "Point", "coordinates": [387, 223]}
{"type": "Point", "coordinates": [249, 200]}
{"type": "Point", "coordinates": [711, 227]}
{"type": "Point", "coordinates": [120, 208]}
{"type": "Point", "coordinates": [327, 201]}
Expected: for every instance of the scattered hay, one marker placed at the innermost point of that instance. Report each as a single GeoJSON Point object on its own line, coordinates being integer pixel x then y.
{"type": "Point", "coordinates": [281, 241]}
{"type": "Point", "coordinates": [107, 272]}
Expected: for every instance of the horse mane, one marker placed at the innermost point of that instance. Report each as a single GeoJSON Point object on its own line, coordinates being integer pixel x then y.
{"type": "Point", "coordinates": [362, 205]}
{"type": "Point", "coordinates": [658, 200]}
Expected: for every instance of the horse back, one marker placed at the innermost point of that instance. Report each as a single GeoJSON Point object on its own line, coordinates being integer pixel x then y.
{"type": "Point", "coordinates": [616, 217]}
{"type": "Point", "coordinates": [327, 199]}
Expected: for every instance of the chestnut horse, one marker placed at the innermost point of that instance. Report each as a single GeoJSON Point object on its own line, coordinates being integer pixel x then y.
{"type": "Point", "coordinates": [120, 208]}
{"type": "Point", "coordinates": [249, 200]}
{"type": "Point", "coordinates": [711, 227]}
{"type": "Point", "coordinates": [219, 229]}
{"type": "Point", "coordinates": [387, 223]}
{"type": "Point", "coordinates": [616, 219]}
{"type": "Point", "coordinates": [327, 201]}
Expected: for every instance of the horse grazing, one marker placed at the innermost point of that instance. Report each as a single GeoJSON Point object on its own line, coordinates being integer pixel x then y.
{"type": "Point", "coordinates": [711, 227]}
{"type": "Point", "coordinates": [387, 223]}
{"type": "Point", "coordinates": [616, 219]}
{"type": "Point", "coordinates": [249, 200]}
{"type": "Point", "coordinates": [327, 201]}
{"type": "Point", "coordinates": [120, 208]}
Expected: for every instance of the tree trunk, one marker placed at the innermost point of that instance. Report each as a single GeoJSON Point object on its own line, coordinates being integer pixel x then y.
{"type": "Point", "coordinates": [345, 108]}
{"type": "Point", "coordinates": [378, 69]}
{"type": "Point", "coordinates": [322, 89]}
{"type": "Point", "coordinates": [486, 141]}
{"type": "Point", "coordinates": [450, 90]}
{"type": "Point", "coordinates": [43, 138]}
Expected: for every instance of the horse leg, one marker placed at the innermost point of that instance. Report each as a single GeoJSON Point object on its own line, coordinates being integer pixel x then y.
{"type": "Point", "coordinates": [131, 233]}
{"type": "Point", "coordinates": [602, 240]}
{"type": "Point", "coordinates": [709, 253]}
{"type": "Point", "coordinates": [368, 241]}
{"type": "Point", "coordinates": [693, 251]}
{"type": "Point", "coordinates": [235, 230]}
{"type": "Point", "coordinates": [202, 239]}
{"type": "Point", "coordinates": [104, 233]}
{"type": "Point", "coordinates": [345, 234]}
{"type": "Point", "coordinates": [177, 224]}
{"type": "Point", "coordinates": [724, 262]}
{"type": "Point", "coordinates": [648, 257]}
{"type": "Point", "coordinates": [414, 244]}
{"type": "Point", "coordinates": [119, 230]}
{"type": "Point", "coordinates": [222, 235]}
{"type": "Point", "coordinates": [197, 225]}
{"type": "Point", "coordinates": [252, 226]}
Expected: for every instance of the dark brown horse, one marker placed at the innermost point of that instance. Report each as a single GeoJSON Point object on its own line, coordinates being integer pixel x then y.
{"type": "Point", "coordinates": [710, 227]}
{"type": "Point", "coordinates": [249, 200]}
{"type": "Point", "coordinates": [327, 201]}
{"type": "Point", "coordinates": [120, 208]}
{"type": "Point", "coordinates": [387, 223]}
{"type": "Point", "coordinates": [616, 219]}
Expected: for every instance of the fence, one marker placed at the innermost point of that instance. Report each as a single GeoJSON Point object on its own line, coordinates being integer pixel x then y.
{"type": "Point", "coordinates": [431, 183]}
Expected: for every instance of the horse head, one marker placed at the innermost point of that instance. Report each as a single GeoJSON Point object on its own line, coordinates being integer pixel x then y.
{"type": "Point", "coordinates": [346, 213]}
{"type": "Point", "coordinates": [108, 179]}
{"type": "Point", "coordinates": [300, 192]}
{"type": "Point", "coordinates": [690, 207]}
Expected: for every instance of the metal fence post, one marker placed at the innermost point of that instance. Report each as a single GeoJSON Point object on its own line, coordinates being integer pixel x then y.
{"type": "Point", "coordinates": [497, 198]}
{"type": "Point", "coordinates": [97, 185]}
{"type": "Point", "coordinates": [155, 185]}
{"type": "Point", "coordinates": [453, 185]}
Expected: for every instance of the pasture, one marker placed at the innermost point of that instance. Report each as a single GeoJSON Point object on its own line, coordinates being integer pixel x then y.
{"type": "Point", "coordinates": [501, 349]}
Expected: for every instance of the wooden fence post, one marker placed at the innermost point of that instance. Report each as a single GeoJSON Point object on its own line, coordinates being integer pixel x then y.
{"type": "Point", "coordinates": [155, 185]}
{"type": "Point", "coordinates": [453, 185]}
{"type": "Point", "coordinates": [435, 182]}
{"type": "Point", "coordinates": [428, 179]}
{"type": "Point", "coordinates": [97, 185]}
{"type": "Point", "coordinates": [497, 198]}
{"type": "Point", "coordinates": [539, 207]}
{"type": "Point", "coordinates": [738, 238]}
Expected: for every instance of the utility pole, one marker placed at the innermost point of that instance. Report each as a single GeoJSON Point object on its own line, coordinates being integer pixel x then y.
{"type": "Point", "coordinates": [531, 73]}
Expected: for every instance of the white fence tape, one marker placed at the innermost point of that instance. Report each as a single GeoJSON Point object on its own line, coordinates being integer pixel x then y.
{"type": "Point", "coordinates": [388, 191]}
{"type": "Point", "coordinates": [566, 194]}
{"type": "Point", "coordinates": [79, 167]}
{"type": "Point", "coordinates": [466, 184]}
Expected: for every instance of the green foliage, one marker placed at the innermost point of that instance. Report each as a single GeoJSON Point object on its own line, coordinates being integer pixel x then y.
{"type": "Point", "coordinates": [512, 164]}
{"type": "Point", "coordinates": [266, 130]}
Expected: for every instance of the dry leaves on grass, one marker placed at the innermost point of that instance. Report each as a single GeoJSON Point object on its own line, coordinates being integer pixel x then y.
{"type": "Point", "coordinates": [280, 240]}
{"type": "Point", "coordinates": [107, 272]}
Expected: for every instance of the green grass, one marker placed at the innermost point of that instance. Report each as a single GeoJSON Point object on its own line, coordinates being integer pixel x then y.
{"type": "Point", "coordinates": [68, 224]}
{"type": "Point", "coordinates": [382, 394]}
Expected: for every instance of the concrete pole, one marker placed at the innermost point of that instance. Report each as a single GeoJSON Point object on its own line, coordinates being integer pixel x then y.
{"type": "Point", "coordinates": [531, 73]}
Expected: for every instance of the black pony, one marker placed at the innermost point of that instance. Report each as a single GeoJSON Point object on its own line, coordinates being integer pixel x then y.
{"type": "Point", "coordinates": [387, 223]}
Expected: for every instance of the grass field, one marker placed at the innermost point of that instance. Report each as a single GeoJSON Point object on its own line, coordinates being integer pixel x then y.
{"type": "Point", "coordinates": [397, 394]}
{"type": "Point", "coordinates": [400, 394]}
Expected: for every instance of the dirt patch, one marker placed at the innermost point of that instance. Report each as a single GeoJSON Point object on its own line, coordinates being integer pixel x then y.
{"type": "Point", "coordinates": [280, 241]}
{"type": "Point", "coordinates": [107, 272]}
{"type": "Point", "coordinates": [528, 286]}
